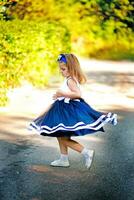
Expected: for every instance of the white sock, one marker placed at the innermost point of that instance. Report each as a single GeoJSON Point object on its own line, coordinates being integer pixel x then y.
{"type": "Point", "coordinates": [84, 152]}
{"type": "Point", "coordinates": [64, 157]}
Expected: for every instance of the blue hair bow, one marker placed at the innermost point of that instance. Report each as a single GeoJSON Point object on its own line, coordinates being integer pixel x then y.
{"type": "Point", "coordinates": [62, 58]}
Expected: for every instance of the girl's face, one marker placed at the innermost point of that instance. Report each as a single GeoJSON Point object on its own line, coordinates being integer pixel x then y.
{"type": "Point", "coordinates": [63, 69]}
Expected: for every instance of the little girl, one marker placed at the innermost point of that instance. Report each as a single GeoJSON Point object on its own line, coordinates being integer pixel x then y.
{"type": "Point", "coordinates": [70, 115]}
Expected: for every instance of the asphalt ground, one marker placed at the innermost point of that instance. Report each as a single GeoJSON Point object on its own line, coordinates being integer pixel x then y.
{"type": "Point", "coordinates": [25, 171]}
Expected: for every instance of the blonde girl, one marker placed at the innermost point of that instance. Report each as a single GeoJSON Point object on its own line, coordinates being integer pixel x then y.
{"type": "Point", "coordinates": [70, 115]}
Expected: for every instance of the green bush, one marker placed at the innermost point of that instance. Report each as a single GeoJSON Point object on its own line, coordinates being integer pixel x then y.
{"type": "Point", "coordinates": [28, 51]}
{"type": "Point", "coordinates": [102, 29]}
{"type": "Point", "coordinates": [105, 43]}
{"type": "Point", "coordinates": [29, 46]}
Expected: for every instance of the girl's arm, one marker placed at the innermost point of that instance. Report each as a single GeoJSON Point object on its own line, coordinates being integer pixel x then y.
{"type": "Point", "coordinates": [72, 94]}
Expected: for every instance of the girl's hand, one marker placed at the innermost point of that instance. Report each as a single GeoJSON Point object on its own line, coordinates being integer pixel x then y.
{"type": "Point", "coordinates": [54, 97]}
{"type": "Point", "coordinates": [59, 93]}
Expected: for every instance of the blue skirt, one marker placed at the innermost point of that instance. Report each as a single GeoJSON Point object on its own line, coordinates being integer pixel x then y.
{"type": "Point", "coordinates": [72, 118]}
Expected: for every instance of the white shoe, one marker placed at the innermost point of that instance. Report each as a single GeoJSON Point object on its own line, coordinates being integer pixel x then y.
{"type": "Point", "coordinates": [89, 158]}
{"type": "Point", "coordinates": [114, 120]}
{"type": "Point", "coordinates": [60, 163]}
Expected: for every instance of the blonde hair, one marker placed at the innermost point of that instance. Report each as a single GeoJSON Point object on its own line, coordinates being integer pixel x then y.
{"type": "Point", "coordinates": [74, 68]}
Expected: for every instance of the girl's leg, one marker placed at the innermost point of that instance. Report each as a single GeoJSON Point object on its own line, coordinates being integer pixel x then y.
{"type": "Point", "coordinates": [62, 145]}
{"type": "Point", "coordinates": [63, 161]}
{"type": "Point", "coordinates": [68, 142]}
{"type": "Point", "coordinates": [88, 154]}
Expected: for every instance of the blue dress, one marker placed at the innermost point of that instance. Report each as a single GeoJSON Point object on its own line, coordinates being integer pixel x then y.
{"type": "Point", "coordinates": [71, 117]}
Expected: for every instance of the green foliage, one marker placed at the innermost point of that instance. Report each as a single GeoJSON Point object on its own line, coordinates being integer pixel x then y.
{"type": "Point", "coordinates": [102, 29]}
{"type": "Point", "coordinates": [28, 51]}
{"type": "Point", "coordinates": [99, 28]}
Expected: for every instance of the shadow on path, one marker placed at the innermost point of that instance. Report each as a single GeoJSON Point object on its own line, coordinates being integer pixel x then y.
{"type": "Point", "coordinates": [25, 172]}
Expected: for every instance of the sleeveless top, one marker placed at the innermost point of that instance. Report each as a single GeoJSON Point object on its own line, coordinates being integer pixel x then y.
{"type": "Point", "coordinates": [64, 87]}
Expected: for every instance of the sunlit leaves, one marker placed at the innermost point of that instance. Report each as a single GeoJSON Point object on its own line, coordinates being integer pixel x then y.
{"type": "Point", "coordinates": [28, 51]}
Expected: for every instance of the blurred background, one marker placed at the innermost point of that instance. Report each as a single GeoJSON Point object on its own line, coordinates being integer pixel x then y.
{"type": "Point", "coordinates": [34, 32]}
{"type": "Point", "coordinates": [32, 35]}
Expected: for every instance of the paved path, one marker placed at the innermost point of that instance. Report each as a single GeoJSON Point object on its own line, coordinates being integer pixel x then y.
{"type": "Point", "coordinates": [25, 173]}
